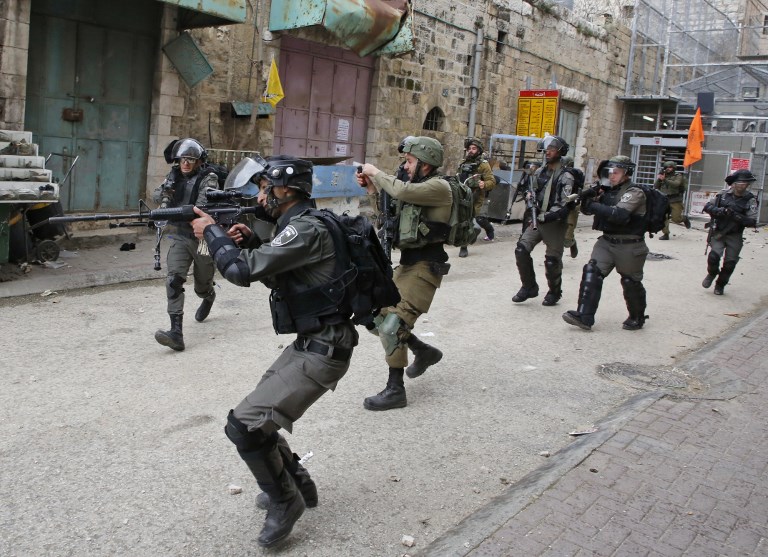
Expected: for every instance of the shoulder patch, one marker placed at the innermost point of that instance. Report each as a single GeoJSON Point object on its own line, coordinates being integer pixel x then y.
{"type": "Point", "coordinates": [626, 198]}
{"type": "Point", "coordinates": [753, 204]}
{"type": "Point", "coordinates": [285, 237]}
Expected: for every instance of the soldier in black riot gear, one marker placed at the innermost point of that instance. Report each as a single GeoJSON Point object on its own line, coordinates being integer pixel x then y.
{"type": "Point", "coordinates": [296, 265]}
{"type": "Point", "coordinates": [475, 171]}
{"type": "Point", "coordinates": [619, 210]}
{"type": "Point", "coordinates": [553, 186]}
{"type": "Point", "coordinates": [187, 182]}
{"type": "Point", "coordinates": [423, 211]}
{"type": "Point", "coordinates": [731, 212]}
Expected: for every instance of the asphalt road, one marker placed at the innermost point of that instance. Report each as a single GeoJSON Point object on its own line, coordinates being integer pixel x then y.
{"type": "Point", "coordinates": [111, 444]}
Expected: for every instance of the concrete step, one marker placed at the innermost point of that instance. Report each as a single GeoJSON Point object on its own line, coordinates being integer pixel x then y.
{"type": "Point", "coordinates": [24, 190]}
{"type": "Point", "coordinates": [10, 174]}
{"type": "Point", "coordinates": [18, 161]}
{"type": "Point", "coordinates": [12, 135]}
{"type": "Point", "coordinates": [27, 149]}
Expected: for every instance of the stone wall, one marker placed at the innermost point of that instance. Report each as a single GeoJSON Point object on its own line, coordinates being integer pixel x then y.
{"type": "Point", "coordinates": [14, 47]}
{"type": "Point", "coordinates": [520, 41]}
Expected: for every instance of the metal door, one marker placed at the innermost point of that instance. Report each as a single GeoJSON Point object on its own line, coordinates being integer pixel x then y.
{"type": "Point", "coordinates": [325, 109]}
{"type": "Point", "coordinates": [89, 89]}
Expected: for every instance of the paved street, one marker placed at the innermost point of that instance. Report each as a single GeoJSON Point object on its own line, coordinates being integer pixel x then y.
{"type": "Point", "coordinates": [112, 445]}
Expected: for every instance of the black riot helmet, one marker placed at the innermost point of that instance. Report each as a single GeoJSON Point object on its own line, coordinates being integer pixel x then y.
{"type": "Point", "coordinates": [403, 142]}
{"type": "Point", "coordinates": [743, 175]}
{"type": "Point", "coordinates": [292, 172]}
{"type": "Point", "coordinates": [554, 141]}
{"type": "Point", "coordinates": [188, 147]}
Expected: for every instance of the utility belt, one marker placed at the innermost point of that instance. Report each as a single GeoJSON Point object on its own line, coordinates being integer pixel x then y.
{"type": "Point", "coordinates": [621, 240]}
{"type": "Point", "coordinates": [337, 353]}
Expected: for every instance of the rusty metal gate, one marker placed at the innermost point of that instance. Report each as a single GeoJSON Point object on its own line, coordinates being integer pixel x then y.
{"type": "Point", "coordinates": [325, 109]}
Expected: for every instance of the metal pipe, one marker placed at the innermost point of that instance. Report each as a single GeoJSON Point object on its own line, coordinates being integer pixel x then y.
{"type": "Point", "coordinates": [475, 90]}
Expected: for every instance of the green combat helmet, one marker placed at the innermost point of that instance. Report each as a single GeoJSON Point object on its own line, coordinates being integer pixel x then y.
{"type": "Point", "coordinates": [669, 164]}
{"type": "Point", "coordinates": [473, 141]}
{"type": "Point", "coordinates": [426, 149]}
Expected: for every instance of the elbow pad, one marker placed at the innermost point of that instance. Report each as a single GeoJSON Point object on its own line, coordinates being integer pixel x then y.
{"type": "Point", "coordinates": [226, 255]}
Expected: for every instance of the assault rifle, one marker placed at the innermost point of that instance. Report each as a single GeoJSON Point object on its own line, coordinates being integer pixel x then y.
{"type": "Point", "coordinates": [225, 214]}
{"type": "Point", "coordinates": [387, 229]}
{"type": "Point", "coordinates": [530, 203]}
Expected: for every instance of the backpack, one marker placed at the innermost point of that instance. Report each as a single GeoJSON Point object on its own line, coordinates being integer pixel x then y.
{"type": "Point", "coordinates": [656, 208]}
{"type": "Point", "coordinates": [361, 264]}
{"type": "Point", "coordinates": [462, 226]}
{"type": "Point", "coordinates": [220, 171]}
{"type": "Point", "coordinates": [578, 178]}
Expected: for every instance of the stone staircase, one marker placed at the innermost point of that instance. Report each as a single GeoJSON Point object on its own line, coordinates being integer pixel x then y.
{"type": "Point", "coordinates": [23, 176]}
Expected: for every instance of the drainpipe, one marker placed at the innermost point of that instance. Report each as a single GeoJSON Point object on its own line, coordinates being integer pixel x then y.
{"type": "Point", "coordinates": [475, 80]}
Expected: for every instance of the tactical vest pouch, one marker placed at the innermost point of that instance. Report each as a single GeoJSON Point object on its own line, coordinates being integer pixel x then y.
{"type": "Point", "coordinates": [282, 321]}
{"type": "Point", "coordinates": [410, 227]}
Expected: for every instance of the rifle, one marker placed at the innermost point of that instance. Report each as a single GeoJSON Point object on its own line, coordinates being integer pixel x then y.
{"type": "Point", "coordinates": [387, 230]}
{"type": "Point", "coordinates": [225, 214]}
{"type": "Point", "coordinates": [530, 203]}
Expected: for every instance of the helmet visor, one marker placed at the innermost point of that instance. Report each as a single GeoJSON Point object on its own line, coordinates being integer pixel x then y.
{"type": "Point", "coordinates": [245, 175]}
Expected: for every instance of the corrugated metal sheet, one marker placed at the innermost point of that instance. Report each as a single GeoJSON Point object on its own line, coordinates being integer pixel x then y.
{"type": "Point", "coordinates": [365, 26]}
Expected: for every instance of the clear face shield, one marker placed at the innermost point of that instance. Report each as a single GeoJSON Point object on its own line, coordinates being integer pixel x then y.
{"type": "Point", "coordinates": [606, 172]}
{"type": "Point", "coordinates": [243, 181]}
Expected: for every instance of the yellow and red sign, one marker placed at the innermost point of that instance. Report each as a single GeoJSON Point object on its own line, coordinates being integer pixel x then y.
{"type": "Point", "coordinates": [537, 112]}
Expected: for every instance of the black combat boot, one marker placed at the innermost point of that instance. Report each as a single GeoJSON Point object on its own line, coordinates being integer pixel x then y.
{"type": "Point", "coordinates": [173, 338]}
{"type": "Point", "coordinates": [634, 296]}
{"type": "Point", "coordinates": [300, 475]}
{"type": "Point", "coordinates": [687, 222]}
{"type": "Point", "coordinates": [724, 277]}
{"type": "Point", "coordinates": [527, 275]}
{"type": "Point", "coordinates": [574, 250]}
{"type": "Point", "coordinates": [463, 251]}
{"type": "Point", "coordinates": [286, 504]}
{"type": "Point", "coordinates": [393, 395]}
{"type": "Point", "coordinates": [205, 306]}
{"type": "Point", "coordinates": [590, 291]}
{"type": "Point", "coordinates": [713, 269]}
{"type": "Point", "coordinates": [664, 237]}
{"type": "Point", "coordinates": [424, 356]}
{"type": "Point", "coordinates": [553, 270]}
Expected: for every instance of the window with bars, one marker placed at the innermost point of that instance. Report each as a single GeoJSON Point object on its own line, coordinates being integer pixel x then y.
{"type": "Point", "coordinates": [434, 120]}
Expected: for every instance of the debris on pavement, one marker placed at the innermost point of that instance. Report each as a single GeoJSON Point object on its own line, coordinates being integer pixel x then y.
{"type": "Point", "coordinates": [234, 489]}
{"type": "Point", "coordinates": [583, 431]}
{"type": "Point", "coordinates": [407, 540]}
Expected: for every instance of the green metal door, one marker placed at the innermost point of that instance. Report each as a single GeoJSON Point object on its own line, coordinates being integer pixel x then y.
{"type": "Point", "coordinates": [89, 90]}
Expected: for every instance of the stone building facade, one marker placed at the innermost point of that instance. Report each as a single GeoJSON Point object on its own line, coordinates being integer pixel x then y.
{"type": "Point", "coordinates": [525, 44]}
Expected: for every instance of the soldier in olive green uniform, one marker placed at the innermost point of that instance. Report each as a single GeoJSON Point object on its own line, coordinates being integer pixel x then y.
{"type": "Point", "coordinates": [477, 173]}
{"type": "Point", "coordinates": [619, 211]}
{"type": "Point", "coordinates": [673, 185]}
{"type": "Point", "coordinates": [297, 265]}
{"type": "Point", "coordinates": [423, 211]}
{"type": "Point", "coordinates": [186, 184]}
{"type": "Point", "coordinates": [553, 185]}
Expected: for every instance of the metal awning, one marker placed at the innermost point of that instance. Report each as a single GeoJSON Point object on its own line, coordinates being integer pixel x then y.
{"type": "Point", "coordinates": [208, 13]}
{"type": "Point", "coordinates": [364, 26]}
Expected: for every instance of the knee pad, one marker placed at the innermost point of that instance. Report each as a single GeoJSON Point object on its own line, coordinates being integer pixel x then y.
{"type": "Point", "coordinates": [729, 266]}
{"type": "Point", "coordinates": [520, 251]}
{"type": "Point", "coordinates": [713, 259]}
{"type": "Point", "coordinates": [591, 268]}
{"type": "Point", "coordinates": [174, 285]}
{"type": "Point", "coordinates": [388, 332]}
{"type": "Point", "coordinates": [246, 441]}
{"type": "Point", "coordinates": [552, 264]}
{"type": "Point", "coordinates": [628, 283]}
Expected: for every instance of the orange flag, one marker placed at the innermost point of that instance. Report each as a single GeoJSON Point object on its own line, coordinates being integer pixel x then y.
{"type": "Point", "coordinates": [695, 138]}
